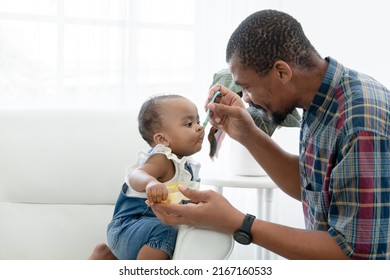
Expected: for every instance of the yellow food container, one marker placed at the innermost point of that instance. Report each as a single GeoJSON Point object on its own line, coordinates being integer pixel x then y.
{"type": "Point", "coordinates": [174, 195]}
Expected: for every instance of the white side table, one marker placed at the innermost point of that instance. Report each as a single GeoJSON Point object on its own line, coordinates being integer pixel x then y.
{"type": "Point", "coordinates": [263, 185]}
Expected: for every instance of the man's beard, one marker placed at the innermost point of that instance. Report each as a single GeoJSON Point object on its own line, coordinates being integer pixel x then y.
{"type": "Point", "coordinates": [277, 118]}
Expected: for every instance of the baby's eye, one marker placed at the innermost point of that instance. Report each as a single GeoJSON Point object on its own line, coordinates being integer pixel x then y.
{"type": "Point", "coordinates": [189, 124]}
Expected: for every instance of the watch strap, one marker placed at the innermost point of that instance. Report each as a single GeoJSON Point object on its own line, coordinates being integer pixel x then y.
{"type": "Point", "coordinates": [247, 223]}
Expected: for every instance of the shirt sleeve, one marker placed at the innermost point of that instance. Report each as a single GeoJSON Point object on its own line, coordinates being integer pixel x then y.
{"type": "Point", "coordinates": [359, 197]}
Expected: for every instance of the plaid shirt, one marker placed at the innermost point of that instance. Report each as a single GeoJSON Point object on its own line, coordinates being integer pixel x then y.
{"type": "Point", "coordinates": [345, 162]}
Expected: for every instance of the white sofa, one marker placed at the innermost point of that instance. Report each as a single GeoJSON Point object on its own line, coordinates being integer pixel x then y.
{"type": "Point", "coordinates": [60, 173]}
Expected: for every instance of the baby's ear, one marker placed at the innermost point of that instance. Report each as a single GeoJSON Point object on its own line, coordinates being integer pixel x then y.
{"type": "Point", "coordinates": [159, 138]}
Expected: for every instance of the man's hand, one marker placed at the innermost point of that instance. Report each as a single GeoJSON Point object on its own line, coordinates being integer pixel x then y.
{"type": "Point", "coordinates": [228, 113]}
{"type": "Point", "coordinates": [208, 210]}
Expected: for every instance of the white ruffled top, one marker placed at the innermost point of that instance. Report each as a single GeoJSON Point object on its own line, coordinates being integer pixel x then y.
{"type": "Point", "coordinates": [181, 173]}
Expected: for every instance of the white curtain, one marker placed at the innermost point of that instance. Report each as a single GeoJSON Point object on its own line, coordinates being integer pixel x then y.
{"type": "Point", "coordinates": [112, 54]}
{"type": "Point", "coordinates": [115, 53]}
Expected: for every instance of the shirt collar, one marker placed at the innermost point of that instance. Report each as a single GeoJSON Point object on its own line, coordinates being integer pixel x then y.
{"type": "Point", "coordinates": [323, 99]}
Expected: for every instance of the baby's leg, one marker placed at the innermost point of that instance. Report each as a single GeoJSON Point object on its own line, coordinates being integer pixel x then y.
{"type": "Point", "coordinates": [102, 252]}
{"type": "Point", "coordinates": [149, 253]}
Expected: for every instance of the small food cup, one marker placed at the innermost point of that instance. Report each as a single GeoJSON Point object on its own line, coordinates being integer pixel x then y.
{"type": "Point", "coordinates": [174, 195]}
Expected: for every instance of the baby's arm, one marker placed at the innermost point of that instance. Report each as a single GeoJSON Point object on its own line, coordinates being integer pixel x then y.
{"type": "Point", "coordinates": [148, 177]}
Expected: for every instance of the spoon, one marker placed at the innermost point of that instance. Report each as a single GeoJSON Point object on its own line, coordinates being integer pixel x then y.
{"type": "Point", "coordinates": [208, 111]}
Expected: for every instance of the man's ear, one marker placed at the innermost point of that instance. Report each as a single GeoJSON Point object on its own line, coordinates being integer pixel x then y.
{"type": "Point", "coordinates": [283, 70]}
{"type": "Point", "coordinates": [159, 138]}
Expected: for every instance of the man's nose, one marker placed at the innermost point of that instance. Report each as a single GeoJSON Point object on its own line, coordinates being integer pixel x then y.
{"type": "Point", "coordinates": [246, 96]}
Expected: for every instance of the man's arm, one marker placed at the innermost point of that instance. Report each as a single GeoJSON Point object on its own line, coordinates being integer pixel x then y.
{"type": "Point", "coordinates": [281, 166]}
{"type": "Point", "coordinates": [214, 212]}
{"type": "Point", "coordinates": [293, 243]}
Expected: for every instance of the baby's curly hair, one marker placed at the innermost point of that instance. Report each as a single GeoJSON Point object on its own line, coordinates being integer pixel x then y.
{"type": "Point", "coordinates": [267, 36]}
{"type": "Point", "coordinates": [149, 119]}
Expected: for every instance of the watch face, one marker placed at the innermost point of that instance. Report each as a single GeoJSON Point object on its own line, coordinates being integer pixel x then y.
{"type": "Point", "coordinates": [242, 238]}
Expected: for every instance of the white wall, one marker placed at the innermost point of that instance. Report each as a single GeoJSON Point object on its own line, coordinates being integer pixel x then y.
{"type": "Point", "coordinates": [353, 32]}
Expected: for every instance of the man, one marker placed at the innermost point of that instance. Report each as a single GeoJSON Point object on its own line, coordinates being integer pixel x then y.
{"type": "Point", "coordinates": [342, 172]}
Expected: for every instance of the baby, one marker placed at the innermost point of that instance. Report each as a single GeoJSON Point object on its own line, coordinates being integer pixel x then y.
{"type": "Point", "coordinates": [170, 125]}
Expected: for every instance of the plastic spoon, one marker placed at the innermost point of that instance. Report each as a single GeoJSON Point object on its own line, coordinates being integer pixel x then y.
{"type": "Point", "coordinates": [208, 111]}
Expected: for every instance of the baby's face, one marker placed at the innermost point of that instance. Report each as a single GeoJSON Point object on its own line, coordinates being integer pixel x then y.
{"type": "Point", "coordinates": [180, 125]}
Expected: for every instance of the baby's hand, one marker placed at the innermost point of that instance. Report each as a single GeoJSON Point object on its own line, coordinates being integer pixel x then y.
{"type": "Point", "coordinates": [156, 192]}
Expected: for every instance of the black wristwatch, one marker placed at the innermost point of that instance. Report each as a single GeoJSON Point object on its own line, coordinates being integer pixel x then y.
{"type": "Point", "coordinates": [243, 235]}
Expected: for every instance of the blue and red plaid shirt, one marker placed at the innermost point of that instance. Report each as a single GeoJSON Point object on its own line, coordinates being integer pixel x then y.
{"type": "Point", "coordinates": [345, 162]}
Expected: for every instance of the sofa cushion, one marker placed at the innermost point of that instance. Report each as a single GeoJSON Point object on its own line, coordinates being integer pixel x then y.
{"type": "Point", "coordinates": [64, 156]}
